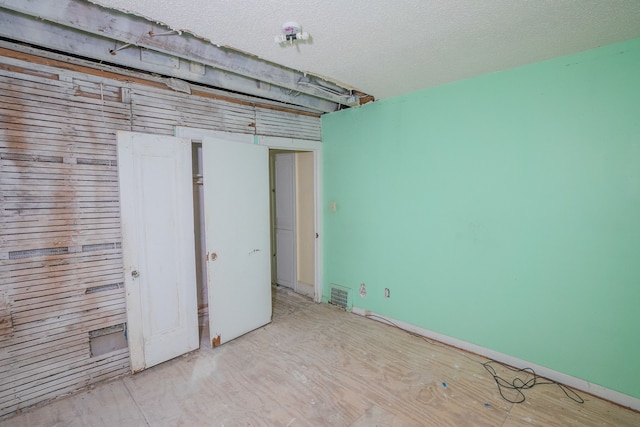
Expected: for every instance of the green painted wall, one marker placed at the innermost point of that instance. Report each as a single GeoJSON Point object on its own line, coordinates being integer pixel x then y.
{"type": "Point", "coordinates": [502, 210]}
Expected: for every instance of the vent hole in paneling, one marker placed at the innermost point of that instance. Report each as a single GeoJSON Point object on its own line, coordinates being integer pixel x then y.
{"type": "Point", "coordinates": [31, 158]}
{"type": "Point", "coordinates": [107, 340]}
{"type": "Point", "coordinates": [30, 253]}
{"type": "Point", "coordinates": [97, 162]}
{"type": "Point", "coordinates": [94, 289]}
{"type": "Point", "coordinates": [99, 247]}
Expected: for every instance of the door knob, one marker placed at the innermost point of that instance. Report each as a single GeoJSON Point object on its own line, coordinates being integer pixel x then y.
{"type": "Point", "coordinates": [135, 274]}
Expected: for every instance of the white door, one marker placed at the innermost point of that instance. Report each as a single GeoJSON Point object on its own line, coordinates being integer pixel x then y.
{"type": "Point", "coordinates": [158, 247]}
{"type": "Point", "coordinates": [236, 206]}
{"type": "Point", "coordinates": [277, 143]}
{"type": "Point", "coordinates": [285, 219]}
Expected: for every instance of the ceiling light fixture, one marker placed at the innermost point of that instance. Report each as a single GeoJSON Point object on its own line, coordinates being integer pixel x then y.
{"type": "Point", "coordinates": [291, 31]}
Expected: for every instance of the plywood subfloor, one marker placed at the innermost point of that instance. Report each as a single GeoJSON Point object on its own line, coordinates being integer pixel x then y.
{"type": "Point", "coordinates": [316, 365]}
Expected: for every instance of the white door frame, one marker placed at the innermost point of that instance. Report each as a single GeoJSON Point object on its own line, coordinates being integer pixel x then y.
{"type": "Point", "coordinates": [279, 194]}
{"type": "Point", "coordinates": [279, 143]}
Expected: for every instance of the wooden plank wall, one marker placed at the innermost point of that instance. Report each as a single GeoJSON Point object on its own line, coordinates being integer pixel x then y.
{"type": "Point", "coordinates": [61, 267]}
{"type": "Point", "coordinates": [158, 111]}
{"type": "Point", "coordinates": [60, 232]}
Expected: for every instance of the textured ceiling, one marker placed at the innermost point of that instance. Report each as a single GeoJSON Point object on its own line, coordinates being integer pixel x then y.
{"type": "Point", "coordinates": [387, 48]}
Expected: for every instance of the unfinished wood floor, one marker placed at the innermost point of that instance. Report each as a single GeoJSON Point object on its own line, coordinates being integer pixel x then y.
{"type": "Point", "coordinates": [316, 365]}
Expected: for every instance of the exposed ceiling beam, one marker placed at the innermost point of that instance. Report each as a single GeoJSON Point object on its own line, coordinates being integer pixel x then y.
{"type": "Point", "coordinates": [89, 30]}
{"type": "Point", "coordinates": [53, 36]}
{"type": "Point", "coordinates": [14, 53]}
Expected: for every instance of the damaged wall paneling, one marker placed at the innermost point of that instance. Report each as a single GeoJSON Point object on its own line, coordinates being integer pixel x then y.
{"type": "Point", "coordinates": [61, 268]}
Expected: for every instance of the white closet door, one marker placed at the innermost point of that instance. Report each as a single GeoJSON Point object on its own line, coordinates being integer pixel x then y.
{"type": "Point", "coordinates": [236, 206]}
{"type": "Point", "coordinates": [158, 247]}
{"type": "Point", "coordinates": [285, 219]}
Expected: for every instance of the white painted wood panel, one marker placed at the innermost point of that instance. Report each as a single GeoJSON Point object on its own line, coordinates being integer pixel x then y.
{"type": "Point", "coordinates": [285, 124]}
{"type": "Point", "coordinates": [236, 206]}
{"type": "Point", "coordinates": [158, 246]}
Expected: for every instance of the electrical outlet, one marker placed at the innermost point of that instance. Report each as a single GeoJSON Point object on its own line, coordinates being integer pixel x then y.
{"type": "Point", "coordinates": [387, 293]}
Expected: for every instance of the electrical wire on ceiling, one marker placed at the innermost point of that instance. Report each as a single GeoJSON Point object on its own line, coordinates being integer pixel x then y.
{"type": "Point", "coordinates": [324, 89]}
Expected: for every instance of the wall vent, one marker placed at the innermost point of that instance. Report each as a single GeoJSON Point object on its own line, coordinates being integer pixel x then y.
{"type": "Point", "coordinates": [340, 297]}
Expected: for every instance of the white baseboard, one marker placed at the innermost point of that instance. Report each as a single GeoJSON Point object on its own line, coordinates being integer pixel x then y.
{"type": "Point", "coordinates": [577, 383]}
